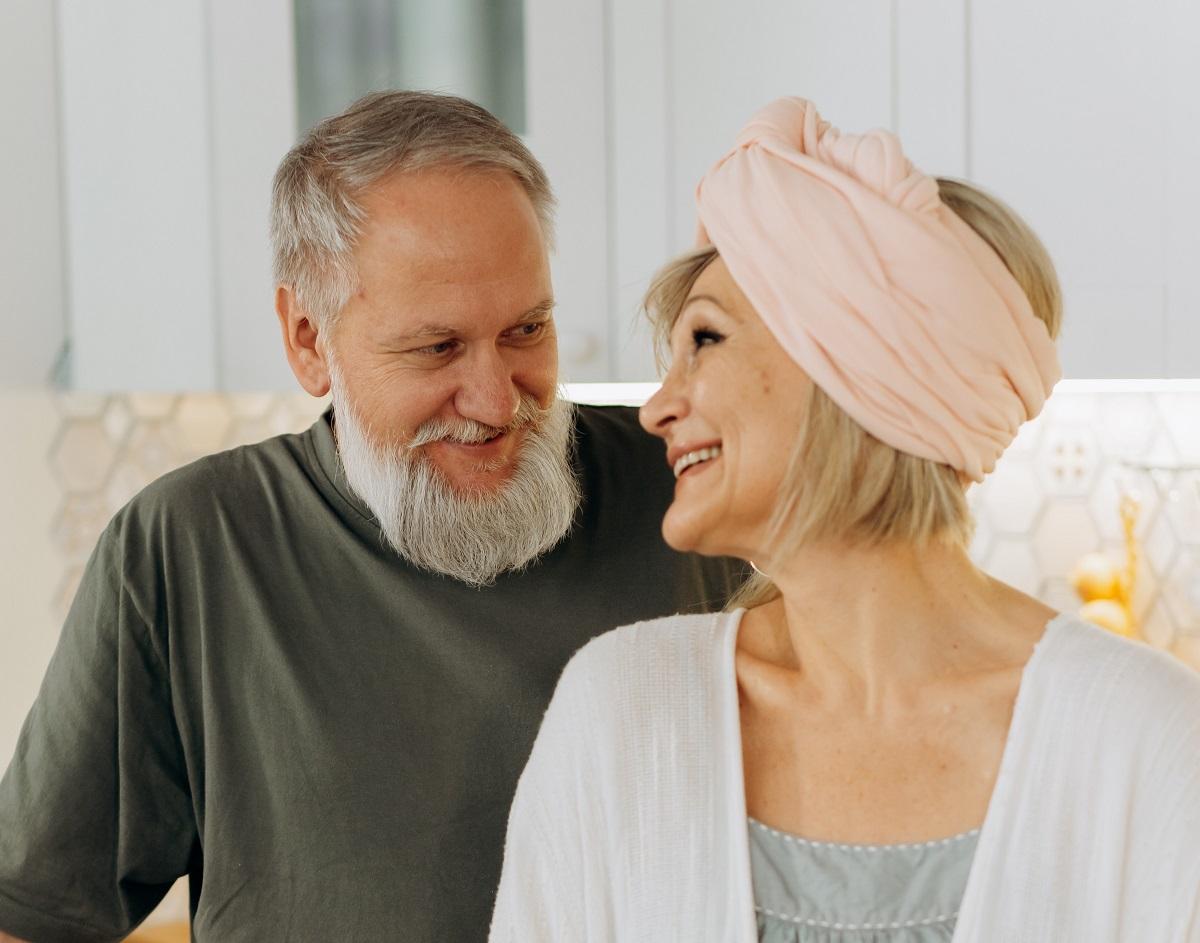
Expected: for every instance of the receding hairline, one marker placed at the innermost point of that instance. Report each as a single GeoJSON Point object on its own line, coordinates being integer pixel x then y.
{"type": "Point", "coordinates": [390, 188]}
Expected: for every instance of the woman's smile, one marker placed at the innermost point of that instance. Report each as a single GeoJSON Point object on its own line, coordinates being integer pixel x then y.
{"type": "Point", "coordinates": [692, 459]}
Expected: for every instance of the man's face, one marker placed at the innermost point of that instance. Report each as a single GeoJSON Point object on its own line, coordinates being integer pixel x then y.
{"type": "Point", "coordinates": [452, 320]}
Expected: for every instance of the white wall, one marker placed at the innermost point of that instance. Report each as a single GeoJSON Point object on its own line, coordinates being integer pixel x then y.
{"type": "Point", "coordinates": [31, 569]}
{"type": "Point", "coordinates": [32, 319]}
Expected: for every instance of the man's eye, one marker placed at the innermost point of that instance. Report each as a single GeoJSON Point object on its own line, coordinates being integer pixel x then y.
{"type": "Point", "coordinates": [531, 331]}
{"type": "Point", "coordinates": [702, 337]}
{"type": "Point", "coordinates": [437, 350]}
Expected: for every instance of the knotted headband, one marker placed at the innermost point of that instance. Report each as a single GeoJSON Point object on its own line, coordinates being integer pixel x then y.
{"type": "Point", "coordinates": [890, 303]}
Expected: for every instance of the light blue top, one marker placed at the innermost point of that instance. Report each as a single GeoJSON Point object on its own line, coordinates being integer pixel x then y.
{"type": "Point", "coordinates": [817, 892]}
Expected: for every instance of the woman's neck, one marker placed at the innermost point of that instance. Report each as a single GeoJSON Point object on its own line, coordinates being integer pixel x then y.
{"type": "Point", "coordinates": [872, 626]}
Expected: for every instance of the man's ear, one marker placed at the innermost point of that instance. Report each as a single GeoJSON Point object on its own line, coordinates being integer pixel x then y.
{"type": "Point", "coordinates": [305, 353]}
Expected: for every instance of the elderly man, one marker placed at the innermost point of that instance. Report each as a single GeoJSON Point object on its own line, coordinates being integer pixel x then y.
{"type": "Point", "coordinates": [307, 673]}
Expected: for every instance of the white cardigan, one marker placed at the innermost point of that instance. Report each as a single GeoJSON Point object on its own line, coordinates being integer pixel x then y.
{"type": "Point", "coordinates": [629, 823]}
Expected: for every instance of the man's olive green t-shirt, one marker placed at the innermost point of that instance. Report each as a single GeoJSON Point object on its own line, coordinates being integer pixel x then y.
{"type": "Point", "coordinates": [252, 689]}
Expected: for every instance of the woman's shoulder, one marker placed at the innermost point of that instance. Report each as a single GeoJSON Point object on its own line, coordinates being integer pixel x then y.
{"type": "Point", "coordinates": [1115, 738]}
{"type": "Point", "coordinates": [678, 637]}
{"type": "Point", "coordinates": [1085, 655]}
{"type": "Point", "coordinates": [1127, 690]}
{"type": "Point", "coordinates": [652, 665]}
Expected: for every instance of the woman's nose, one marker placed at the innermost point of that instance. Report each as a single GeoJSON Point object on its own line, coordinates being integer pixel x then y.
{"type": "Point", "coordinates": [662, 409]}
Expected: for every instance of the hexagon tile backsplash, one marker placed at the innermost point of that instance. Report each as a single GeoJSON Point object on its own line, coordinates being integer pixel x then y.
{"type": "Point", "coordinates": [110, 447]}
{"type": "Point", "coordinates": [1052, 498]}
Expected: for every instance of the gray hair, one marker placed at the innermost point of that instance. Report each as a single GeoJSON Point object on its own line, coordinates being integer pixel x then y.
{"type": "Point", "coordinates": [316, 218]}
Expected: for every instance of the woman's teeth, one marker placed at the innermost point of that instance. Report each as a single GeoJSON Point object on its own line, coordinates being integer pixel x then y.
{"type": "Point", "coordinates": [684, 462]}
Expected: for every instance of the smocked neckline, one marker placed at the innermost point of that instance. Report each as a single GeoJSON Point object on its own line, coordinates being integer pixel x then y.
{"type": "Point", "coordinates": [800, 840]}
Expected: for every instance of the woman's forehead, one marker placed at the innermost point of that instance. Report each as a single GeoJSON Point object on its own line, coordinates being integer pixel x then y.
{"type": "Point", "coordinates": [715, 286]}
{"type": "Point", "coordinates": [714, 279]}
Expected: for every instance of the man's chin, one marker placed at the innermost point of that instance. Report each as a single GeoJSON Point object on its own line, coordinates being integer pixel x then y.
{"type": "Point", "coordinates": [476, 469]}
{"type": "Point", "coordinates": [478, 484]}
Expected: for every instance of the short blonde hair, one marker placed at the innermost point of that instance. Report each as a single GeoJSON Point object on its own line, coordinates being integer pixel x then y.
{"type": "Point", "coordinates": [842, 482]}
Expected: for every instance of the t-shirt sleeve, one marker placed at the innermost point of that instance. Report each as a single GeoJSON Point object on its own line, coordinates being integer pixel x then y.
{"type": "Point", "coordinates": [96, 818]}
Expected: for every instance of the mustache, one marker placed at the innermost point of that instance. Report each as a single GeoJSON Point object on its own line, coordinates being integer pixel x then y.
{"type": "Point", "coordinates": [471, 431]}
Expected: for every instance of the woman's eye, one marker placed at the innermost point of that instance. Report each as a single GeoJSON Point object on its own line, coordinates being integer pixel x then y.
{"type": "Point", "coordinates": [702, 337]}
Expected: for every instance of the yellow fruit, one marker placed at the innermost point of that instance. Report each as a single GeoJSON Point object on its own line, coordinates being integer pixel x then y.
{"type": "Point", "coordinates": [1108, 614]}
{"type": "Point", "coordinates": [1096, 577]}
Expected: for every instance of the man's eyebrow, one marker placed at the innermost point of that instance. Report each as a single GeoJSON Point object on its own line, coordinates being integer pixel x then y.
{"type": "Point", "coordinates": [424, 332]}
{"type": "Point", "coordinates": [541, 310]}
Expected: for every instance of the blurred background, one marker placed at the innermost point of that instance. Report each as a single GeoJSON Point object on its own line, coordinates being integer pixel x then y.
{"type": "Point", "coordinates": [140, 137]}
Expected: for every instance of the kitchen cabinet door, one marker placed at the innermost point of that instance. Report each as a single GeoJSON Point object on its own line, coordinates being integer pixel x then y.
{"type": "Point", "coordinates": [567, 111]}
{"type": "Point", "coordinates": [685, 77]}
{"type": "Point", "coordinates": [138, 194]}
{"type": "Point", "coordinates": [1083, 115]}
{"type": "Point", "coordinates": [174, 117]}
{"type": "Point", "coordinates": [31, 250]}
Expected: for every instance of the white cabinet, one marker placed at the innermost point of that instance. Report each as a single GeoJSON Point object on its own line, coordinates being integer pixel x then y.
{"type": "Point", "coordinates": [1082, 115]}
{"type": "Point", "coordinates": [138, 194]}
{"type": "Point", "coordinates": [685, 77]}
{"type": "Point", "coordinates": [173, 116]}
{"type": "Point", "coordinates": [253, 107]}
{"type": "Point", "coordinates": [31, 243]}
{"type": "Point", "coordinates": [567, 128]}
{"type": "Point", "coordinates": [176, 116]}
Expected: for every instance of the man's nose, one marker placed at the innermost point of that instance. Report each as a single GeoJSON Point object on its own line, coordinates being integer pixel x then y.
{"type": "Point", "coordinates": [487, 393]}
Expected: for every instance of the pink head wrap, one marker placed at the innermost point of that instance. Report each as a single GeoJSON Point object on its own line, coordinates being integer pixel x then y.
{"type": "Point", "coordinates": [891, 304]}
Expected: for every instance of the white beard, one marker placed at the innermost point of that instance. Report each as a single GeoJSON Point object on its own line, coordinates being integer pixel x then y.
{"type": "Point", "coordinates": [470, 537]}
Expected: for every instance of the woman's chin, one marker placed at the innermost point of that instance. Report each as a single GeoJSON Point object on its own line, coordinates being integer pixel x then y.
{"type": "Point", "coordinates": [689, 536]}
{"type": "Point", "coordinates": [678, 535]}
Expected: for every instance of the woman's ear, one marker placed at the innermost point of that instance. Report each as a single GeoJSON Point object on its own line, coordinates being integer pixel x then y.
{"type": "Point", "coordinates": [301, 342]}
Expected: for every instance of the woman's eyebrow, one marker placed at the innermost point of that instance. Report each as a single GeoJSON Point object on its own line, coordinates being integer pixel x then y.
{"type": "Point", "coordinates": [708, 298]}
{"type": "Point", "coordinates": [712, 300]}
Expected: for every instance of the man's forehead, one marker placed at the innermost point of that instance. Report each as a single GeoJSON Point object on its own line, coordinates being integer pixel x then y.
{"type": "Point", "coordinates": [440, 198]}
{"type": "Point", "coordinates": [472, 235]}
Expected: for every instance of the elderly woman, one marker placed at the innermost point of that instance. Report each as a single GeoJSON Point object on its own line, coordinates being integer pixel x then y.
{"type": "Point", "coordinates": [884, 744]}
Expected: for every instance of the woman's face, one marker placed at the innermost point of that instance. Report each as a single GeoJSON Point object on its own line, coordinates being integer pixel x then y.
{"type": "Point", "coordinates": [730, 412]}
